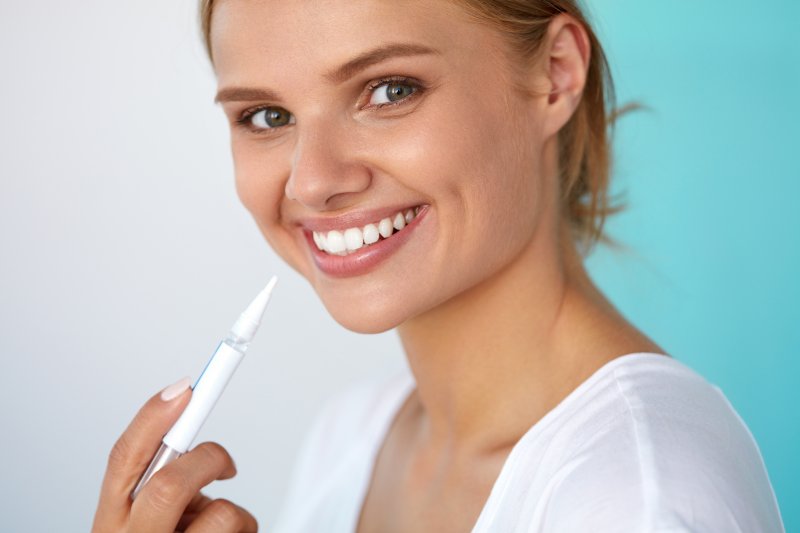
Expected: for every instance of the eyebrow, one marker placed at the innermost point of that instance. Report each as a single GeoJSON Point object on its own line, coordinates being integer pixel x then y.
{"type": "Point", "coordinates": [374, 56]}
{"type": "Point", "coordinates": [244, 94]}
{"type": "Point", "coordinates": [337, 75]}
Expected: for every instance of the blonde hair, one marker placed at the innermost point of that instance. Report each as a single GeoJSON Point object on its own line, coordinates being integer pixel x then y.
{"type": "Point", "coordinates": [585, 141]}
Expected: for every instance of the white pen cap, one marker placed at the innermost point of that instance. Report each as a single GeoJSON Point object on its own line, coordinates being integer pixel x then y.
{"type": "Point", "coordinates": [246, 326]}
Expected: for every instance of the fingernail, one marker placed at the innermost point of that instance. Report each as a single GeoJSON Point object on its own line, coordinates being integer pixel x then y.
{"type": "Point", "coordinates": [176, 389]}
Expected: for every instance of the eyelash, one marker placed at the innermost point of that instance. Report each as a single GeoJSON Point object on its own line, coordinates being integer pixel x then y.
{"type": "Point", "coordinates": [244, 120]}
{"type": "Point", "coordinates": [395, 79]}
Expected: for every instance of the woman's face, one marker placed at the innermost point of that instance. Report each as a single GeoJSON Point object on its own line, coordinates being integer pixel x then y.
{"type": "Point", "coordinates": [345, 113]}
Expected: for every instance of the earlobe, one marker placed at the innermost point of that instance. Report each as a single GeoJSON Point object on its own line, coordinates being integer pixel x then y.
{"type": "Point", "coordinates": [567, 63]}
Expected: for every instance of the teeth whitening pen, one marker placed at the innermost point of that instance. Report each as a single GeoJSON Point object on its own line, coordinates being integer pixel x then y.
{"type": "Point", "coordinates": [209, 386]}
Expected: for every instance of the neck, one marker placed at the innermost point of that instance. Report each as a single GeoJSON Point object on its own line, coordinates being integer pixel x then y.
{"type": "Point", "coordinates": [493, 360]}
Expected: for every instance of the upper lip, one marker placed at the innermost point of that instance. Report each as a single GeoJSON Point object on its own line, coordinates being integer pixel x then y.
{"type": "Point", "coordinates": [352, 219]}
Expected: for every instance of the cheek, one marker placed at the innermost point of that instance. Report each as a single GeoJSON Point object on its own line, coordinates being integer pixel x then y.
{"type": "Point", "coordinates": [514, 191]}
{"type": "Point", "coordinates": [479, 168]}
{"type": "Point", "coordinates": [257, 183]}
{"type": "Point", "coordinates": [490, 173]}
{"type": "Point", "coordinates": [260, 185]}
{"type": "Point", "coordinates": [492, 192]}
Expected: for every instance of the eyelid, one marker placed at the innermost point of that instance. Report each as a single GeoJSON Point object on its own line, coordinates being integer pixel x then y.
{"type": "Point", "coordinates": [248, 113]}
{"type": "Point", "coordinates": [244, 119]}
{"type": "Point", "coordinates": [371, 86]}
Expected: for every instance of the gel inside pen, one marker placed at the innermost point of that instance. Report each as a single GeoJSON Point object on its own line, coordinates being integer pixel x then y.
{"type": "Point", "coordinates": [209, 386]}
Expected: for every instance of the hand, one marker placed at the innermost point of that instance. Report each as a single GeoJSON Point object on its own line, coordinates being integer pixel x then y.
{"type": "Point", "coordinates": [171, 500]}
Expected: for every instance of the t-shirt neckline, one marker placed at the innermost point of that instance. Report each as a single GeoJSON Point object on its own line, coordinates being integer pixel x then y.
{"type": "Point", "coordinates": [406, 387]}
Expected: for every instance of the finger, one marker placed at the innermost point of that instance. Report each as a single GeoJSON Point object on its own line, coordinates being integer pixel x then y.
{"type": "Point", "coordinates": [198, 503]}
{"type": "Point", "coordinates": [136, 446]}
{"type": "Point", "coordinates": [195, 507]}
{"type": "Point", "coordinates": [164, 498]}
{"type": "Point", "coordinates": [222, 516]}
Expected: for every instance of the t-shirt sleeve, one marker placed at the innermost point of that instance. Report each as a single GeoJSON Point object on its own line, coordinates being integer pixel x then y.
{"type": "Point", "coordinates": [661, 475]}
{"type": "Point", "coordinates": [608, 496]}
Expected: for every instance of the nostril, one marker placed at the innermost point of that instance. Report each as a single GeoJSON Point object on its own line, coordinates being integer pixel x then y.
{"type": "Point", "coordinates": [309, 190]}
{"type": "Point", "coordinates": [324, 166]}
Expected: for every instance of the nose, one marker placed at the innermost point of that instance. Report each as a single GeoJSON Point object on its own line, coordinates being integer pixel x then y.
{"type": "Point", "coordinates": [325, 171]}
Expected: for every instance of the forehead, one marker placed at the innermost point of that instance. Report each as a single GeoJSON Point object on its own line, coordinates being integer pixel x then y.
{"type": "Point", "coordinates": [254, 39]}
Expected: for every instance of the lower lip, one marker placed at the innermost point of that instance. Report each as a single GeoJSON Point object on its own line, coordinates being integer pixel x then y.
{"type": "Point", "coordinates": [365, 258]}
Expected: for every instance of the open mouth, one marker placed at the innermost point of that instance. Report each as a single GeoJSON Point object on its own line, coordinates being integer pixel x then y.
{"type": "Point", "coordinates": [345, 242]}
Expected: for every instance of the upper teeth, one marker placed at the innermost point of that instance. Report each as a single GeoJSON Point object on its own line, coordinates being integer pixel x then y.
{"type": "Point", "coordinates": [347, 241]}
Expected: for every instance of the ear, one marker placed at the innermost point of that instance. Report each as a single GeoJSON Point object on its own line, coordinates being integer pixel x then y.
{"type": "Point", "coordinates": [566, 61]}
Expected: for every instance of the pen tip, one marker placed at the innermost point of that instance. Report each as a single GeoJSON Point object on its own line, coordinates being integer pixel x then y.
{"type": "Point", "coordinates": [260, 303]}
{"type": "Point", "coordinates": [248, 322]}
{"type": "Point", "coordinates": [271, 284]}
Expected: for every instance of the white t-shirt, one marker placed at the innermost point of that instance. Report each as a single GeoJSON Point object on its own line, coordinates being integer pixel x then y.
{"type": "Point", "coordinates": [643, 445]}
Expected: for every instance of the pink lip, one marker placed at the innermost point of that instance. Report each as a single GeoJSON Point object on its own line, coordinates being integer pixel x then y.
{"type": "Point", "coordinates": [365, 258]}
{"type": "Point", "coordinates": [354, 219]}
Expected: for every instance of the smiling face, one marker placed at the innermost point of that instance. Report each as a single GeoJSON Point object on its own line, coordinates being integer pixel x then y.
{"type": "Point", "coordinates": [347, 113]}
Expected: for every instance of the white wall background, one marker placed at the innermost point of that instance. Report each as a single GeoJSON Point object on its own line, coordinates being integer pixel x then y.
{"type": "Point", "coordinates": [125, 255]}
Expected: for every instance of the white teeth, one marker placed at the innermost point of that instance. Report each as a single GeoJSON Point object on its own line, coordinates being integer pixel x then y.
{"type": "Point", "coordinates": [353, 239]}
{"type": "Point", "coordinates": [337, 242]}
{"type": "Point", "coordinates": [319, 240]}
{"type": "Point", "coordinates": [371, 234]}
{"type": "Point", "coordinates": [385, 228]}
{"type": "Point", "coordinates": [334, 242]}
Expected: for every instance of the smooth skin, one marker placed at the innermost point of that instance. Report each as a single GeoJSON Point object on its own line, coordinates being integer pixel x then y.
{"type": "Point", "coordinates": [497, 315]}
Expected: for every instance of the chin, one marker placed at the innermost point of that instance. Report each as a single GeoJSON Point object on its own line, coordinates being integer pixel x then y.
{"type": "Point", "coordinates": [362, 317]}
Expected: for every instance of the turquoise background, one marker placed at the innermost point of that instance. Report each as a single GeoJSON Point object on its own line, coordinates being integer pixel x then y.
{"type": "Point", "coordinates": [710, 176]}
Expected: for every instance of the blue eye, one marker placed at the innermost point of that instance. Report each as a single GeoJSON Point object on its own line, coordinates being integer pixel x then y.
{"type": "Point", "coordinates": [269, 117]}
{"type": "Point", "coordinates": [389, 92]}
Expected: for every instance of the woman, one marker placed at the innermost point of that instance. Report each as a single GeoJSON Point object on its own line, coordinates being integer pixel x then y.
{"type": "Point", "coordinates": [438, 167]}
